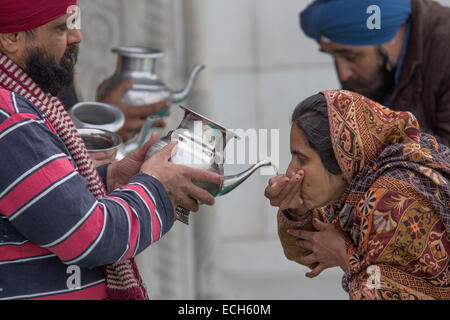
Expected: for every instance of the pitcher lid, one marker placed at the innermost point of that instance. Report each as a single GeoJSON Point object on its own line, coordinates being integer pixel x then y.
{"type": "Point", "coordinates": [138, 52]}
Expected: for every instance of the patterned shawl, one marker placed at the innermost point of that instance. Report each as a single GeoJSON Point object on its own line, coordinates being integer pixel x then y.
{"type": "Point", "coordinates": [122, 278]}
{"type": "Point", "coordinates": [396, 210]}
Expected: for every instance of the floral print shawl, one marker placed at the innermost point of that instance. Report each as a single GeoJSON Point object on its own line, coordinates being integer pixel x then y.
{"type": "Point", "coordinates": [396, 211]}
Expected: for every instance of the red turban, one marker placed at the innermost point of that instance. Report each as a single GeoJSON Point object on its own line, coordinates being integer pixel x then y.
{"type": "Point", "coordinates": [22, 15]}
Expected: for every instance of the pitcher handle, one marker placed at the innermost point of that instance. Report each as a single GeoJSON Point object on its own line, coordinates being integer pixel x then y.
{"type": "Point", "coordinates": [182, 215]}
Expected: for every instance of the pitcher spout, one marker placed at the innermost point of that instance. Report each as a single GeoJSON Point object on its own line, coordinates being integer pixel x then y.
{"type": "Point", "coordinates": [179, 96]}
{"type": "Point", "coordinates": [232, 182]}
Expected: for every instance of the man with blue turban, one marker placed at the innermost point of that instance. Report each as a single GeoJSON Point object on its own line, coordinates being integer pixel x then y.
{"type": "Point", "coordinates": [395, 52]}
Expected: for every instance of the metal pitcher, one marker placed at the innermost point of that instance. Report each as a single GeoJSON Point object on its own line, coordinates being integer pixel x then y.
{"type": "Point", "coordinates": [201, 144]}
{"type": "Point", "coordinates": [139, 63]}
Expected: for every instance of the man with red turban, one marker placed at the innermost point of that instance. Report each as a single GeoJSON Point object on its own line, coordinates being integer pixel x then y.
{"type": "Point", "coordinates": [67, 229]}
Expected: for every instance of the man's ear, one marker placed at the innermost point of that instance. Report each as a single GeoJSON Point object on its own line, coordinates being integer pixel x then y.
{"type": "Point", "coordinates": [393, 48]}
{"type": "Point", "coordinates": [13, 45]}
{"type": "Point", "coordinates": [10, 42]}
{"type": "Point", "coordinates": [392, 59]}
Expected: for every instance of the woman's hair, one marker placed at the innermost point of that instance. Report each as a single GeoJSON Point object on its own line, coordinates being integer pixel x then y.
{"type": "Point", "coordinates": [311, 117]}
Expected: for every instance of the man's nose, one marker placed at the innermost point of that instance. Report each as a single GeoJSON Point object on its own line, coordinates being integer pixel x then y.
{"type": "Point", "coordinates": [74, 36]}
{"type": "Point", "coordinates": [343, 69]}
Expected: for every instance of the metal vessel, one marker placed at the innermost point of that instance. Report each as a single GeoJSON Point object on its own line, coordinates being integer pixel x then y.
{"type": "Point", "coordinates": [96, 115]}
{"type": "Point", "coordinates": [102, 145]}
{"type": "Point", "coordinates": [139, 63]}
{"type": "Point", "coordinates": [201, 145]}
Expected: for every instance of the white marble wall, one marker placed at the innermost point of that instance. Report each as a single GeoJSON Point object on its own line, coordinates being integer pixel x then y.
{"type": "Point", "coordinates": [260, 65]}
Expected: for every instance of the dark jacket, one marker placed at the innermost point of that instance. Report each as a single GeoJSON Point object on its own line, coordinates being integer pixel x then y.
{"type": "Point", "coordinates": [424, 85]}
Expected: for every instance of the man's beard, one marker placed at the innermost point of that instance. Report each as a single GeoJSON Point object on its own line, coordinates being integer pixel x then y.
{"type": "Point", "coordinates": [47, 73]}
{"type": "Point", "coordinates": [379, 86]}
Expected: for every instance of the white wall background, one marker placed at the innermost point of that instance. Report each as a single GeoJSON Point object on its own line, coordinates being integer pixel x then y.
{"type": "Point", "coordinates": [260, 66]}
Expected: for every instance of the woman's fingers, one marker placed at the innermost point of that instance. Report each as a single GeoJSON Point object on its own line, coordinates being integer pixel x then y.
{"type": "Point", "coordinates": [276, 185]}
{"type": "Point", "coordinates": [305, 244]}
{"type": "Point", "coordinates": [292, 199]}
{"type": "Point", "coordinates": [273, 181]}
{"type": "Point", "coordinates": [320, 226]}
{"type": "Point", "coordinates": [289, 192]}
{"type": "Point", "coordinates": [284, 192]}
{"type": "Point", "coordinates": [309, 259]}
{"type": "Point", "coordinates": [316, 271]}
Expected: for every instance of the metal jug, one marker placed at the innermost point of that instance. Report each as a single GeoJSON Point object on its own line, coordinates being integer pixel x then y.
{"type": "Point", "coordinates": [139, 63]}
{"type": "Point", "coordinates": [201, 144]}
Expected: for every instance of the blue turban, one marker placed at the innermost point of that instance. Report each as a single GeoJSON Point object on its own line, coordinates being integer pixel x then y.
{"type": "Point", "coordinates": [350, 22]}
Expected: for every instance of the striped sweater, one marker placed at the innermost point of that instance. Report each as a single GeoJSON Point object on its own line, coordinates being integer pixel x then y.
{"type": "Point", "coordinates": [54, 235]}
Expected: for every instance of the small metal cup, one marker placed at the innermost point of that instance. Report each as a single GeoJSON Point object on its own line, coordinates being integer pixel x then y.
{"type": "Point", "coordinates": [102, 145]}
{"type": "Point", "coordinates": [96, 115]}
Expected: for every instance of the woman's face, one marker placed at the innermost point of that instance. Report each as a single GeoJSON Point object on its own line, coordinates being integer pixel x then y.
{"type": "Point", "coordinates": [319, 187]}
